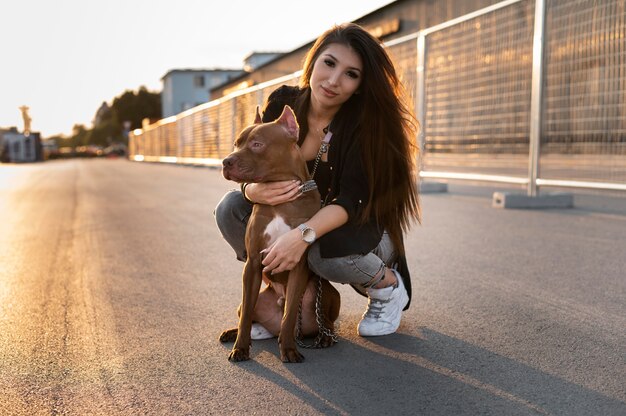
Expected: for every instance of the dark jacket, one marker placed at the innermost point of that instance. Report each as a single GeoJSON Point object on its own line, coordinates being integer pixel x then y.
{"type": "Point", "coordinates": [348, 187]}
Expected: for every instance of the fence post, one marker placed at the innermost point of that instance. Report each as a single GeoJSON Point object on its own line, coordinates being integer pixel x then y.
{"type": "Point", "coordinates": [259, 98]}
{"type": "Point", "coordinates": [420, 114]}
{"type": "Point", "coordinates": [233, 126]}
{"type": "Point", "coordinates": [420, 90]}
{"type": "Point", "coordinates": [532, 199]}
{"type": "Point", "coordinates": [536, 98]}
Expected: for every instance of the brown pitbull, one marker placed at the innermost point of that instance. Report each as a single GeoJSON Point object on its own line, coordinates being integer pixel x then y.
{"type": "Point", "coordinates": [267, 152]}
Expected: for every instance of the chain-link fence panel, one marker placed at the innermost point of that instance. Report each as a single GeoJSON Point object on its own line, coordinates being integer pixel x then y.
{"type": "Point", "coordinates": [477, 93]}
{"type": "Point", "coordinates": [584, 122]}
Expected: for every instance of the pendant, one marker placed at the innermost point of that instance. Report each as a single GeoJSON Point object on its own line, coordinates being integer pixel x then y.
{"type": "Point", "coordinates": [324, 147]}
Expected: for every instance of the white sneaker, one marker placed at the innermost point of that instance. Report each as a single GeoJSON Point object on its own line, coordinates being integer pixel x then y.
{"type": "Point", "coordinates": [384, 310]}
{"type": "Point", "coordinates": [258, 332]}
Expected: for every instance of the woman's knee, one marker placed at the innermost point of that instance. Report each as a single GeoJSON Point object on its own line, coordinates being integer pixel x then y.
{"type": "Point", "coordinates": [232, 205]}
{"type": "Point", "coordinates": [231, 216]}
{"type": "Point", "coordinates": [354, 269]}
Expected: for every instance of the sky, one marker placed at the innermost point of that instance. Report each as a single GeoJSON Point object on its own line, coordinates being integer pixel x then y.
{"type": "Point", "coordinates": [63, 58]}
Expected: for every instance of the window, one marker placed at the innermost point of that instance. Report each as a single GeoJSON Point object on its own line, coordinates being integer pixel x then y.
{"type": "Point", "coordinates": [198, 81]}
{"type": "Point", "coordinates": [27, 148]}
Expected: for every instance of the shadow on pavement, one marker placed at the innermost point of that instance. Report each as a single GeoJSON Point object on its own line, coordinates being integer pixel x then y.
{"type": "Point", "coordinates": [431, 375]}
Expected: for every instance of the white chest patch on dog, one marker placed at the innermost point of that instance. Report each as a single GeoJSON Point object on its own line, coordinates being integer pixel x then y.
{"type": "Point", "coordinates": [276, 228]}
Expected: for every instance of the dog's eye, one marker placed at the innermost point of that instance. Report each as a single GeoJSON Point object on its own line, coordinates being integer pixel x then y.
{"type": "Point", "coordinates": [256, 145]}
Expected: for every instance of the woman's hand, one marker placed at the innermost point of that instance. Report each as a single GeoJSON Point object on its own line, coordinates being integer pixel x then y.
{"type": "Point", "coordinates": [285, 252]}
{"type": "Point", "coordinates": [273, 193]}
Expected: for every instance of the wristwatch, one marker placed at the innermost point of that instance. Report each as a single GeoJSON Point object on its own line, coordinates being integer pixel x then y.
{"type": "Point", "coordinates": [308, 233]}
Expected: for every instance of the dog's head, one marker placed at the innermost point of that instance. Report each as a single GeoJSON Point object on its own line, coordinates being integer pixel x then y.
{"type": "Point", "coordinates": [266, 152]}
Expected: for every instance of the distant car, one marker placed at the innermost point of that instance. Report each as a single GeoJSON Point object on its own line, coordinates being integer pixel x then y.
{"type": "Point", "coordinates": [89, 151]}
{"type": "Point", "coordinates": [116, 150]}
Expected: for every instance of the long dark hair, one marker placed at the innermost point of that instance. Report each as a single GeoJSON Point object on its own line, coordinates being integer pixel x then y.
{"type": "Point", "coordinates": [383, 124]}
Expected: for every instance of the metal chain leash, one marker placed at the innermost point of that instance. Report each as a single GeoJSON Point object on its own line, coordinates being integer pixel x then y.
{"type": "Point", "coordinates": [323, 149]}
{"type": "Point", "coordinates": [319, 318]}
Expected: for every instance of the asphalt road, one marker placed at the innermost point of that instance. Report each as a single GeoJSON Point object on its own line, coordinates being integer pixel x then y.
{"type": "Point", "coordinates": [114, 286]}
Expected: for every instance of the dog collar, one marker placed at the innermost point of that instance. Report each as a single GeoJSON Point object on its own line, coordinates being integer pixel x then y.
{"type": "Point", "coordinates": [308, 186]}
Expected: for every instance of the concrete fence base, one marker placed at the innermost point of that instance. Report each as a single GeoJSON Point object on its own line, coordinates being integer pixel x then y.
{"type": "Point", "coordinates": [433, 187]}
{"type": "Point", "coordinates": [521, 201]}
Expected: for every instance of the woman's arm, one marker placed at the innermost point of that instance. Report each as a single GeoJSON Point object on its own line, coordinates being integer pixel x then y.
{"type": "Point", "coordinates": [273, 193]}
{"type": "Point", "coordinates": [287, 250]}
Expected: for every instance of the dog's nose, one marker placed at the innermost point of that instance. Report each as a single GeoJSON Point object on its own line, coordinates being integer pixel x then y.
{"type": "Point", "coordinates": [228, 162]}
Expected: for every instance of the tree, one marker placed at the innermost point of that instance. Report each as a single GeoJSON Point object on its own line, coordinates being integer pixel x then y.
{"type": "Point", "coordinates": [105, 133]}
{"type": "Point", "coordinates": [108, 125]}
{"type": "Point", "coordinates": [135, 106]}
{"type": "Point", "coordinates": [79, 136]}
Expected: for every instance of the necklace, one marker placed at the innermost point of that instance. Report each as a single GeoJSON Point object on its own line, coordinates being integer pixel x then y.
{"type": "Point", "coordinates": [323, 148]}
{"type": "Point", "coordinates": [322, 132]}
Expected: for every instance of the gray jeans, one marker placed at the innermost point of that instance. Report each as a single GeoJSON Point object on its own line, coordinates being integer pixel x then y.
{"type": "Point", "coordinates": [360, 270]}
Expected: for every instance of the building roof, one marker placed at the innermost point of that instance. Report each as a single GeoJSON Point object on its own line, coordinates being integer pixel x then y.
{"type": "Point", "coordinates": [263, 53]}
{"type": "Point", "coordinates": [199, 70]}
{"type": "Point", "coordinates": [283, 55]}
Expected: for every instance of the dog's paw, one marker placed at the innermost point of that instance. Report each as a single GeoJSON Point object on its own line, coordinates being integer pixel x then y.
{"type": "Point", "coordinates": [239, 354]}
{"type": "Point", "coordinates": [291, 355]}
{"type": "Point", "coordinates": [327, 341]}
{"type": "Point", "coordinates": [230, 335]}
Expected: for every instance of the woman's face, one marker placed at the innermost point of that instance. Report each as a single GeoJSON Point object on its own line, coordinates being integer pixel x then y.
{"type": "Point", "coordinates": [336, 75]}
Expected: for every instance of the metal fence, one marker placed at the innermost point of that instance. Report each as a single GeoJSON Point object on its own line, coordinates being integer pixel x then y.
{"type": "Point", "coordinates": [202, 135]}
{"type": "Point", "coordinates": [527, 92]}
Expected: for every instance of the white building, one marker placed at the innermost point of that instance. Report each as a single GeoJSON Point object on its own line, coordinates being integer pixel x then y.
{"type": "Point", "coordinates": [257, 59]}
{"type": "Point", "coordinates": [15, 147]}
{"type": "Point", "coordinates": [187, 88]}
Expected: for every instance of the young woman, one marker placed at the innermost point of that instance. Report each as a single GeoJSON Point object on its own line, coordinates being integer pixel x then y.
{"type": "Point", "coordinates": [358, 136]}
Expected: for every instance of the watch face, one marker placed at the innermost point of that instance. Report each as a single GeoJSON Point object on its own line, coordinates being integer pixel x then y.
{"type": "Point", "coordinates": [308, 235]}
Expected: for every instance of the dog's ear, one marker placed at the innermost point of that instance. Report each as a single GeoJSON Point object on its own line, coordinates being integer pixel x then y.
{"type": "Point", "coordinates": [288, 120]}
{"type": "Point", "coordinates": [257, 117]}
